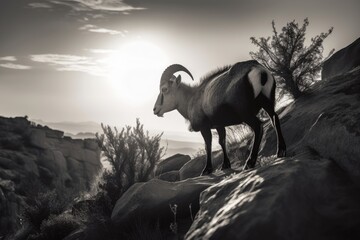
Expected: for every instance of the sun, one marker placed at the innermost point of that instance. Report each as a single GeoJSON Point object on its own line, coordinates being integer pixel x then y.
{"type": "Point", "coordinates": [135, 71]}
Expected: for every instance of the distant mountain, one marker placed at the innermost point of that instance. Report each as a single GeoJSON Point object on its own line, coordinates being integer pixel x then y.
{"type": "Point", "coordinates": [72, 127]}
{"type": "Point", "coordinates": [173, 147]}
{"type": "Point", "coordinates": [81, 135]}
{"type": "Point", "coordinates": [174, 142]}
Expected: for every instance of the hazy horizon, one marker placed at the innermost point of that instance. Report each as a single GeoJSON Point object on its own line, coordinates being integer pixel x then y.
{"type": "Point", "coordinates": [74, 128]}
{"type": "Point", "coordinates": [101, 61]}
{"type": "Point", "coordinates": [174, 142]}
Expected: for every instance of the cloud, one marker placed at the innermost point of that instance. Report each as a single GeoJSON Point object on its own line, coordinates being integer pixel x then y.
{"type": "Point", "coordinates": [96, 29]}
{"type": "Point", "coordinates": [8, 58]}
{"type": "Point", "coordinates": [101, 51]}
{"type": "Point", "coordinates": [97, 5]}
{"type": "Point", "coordinates": [11, 65]}
{"type": "Point", "coordinates": [15, 66]}
{"type": "Point", "coordinates": [39, 5]}
{"type": "Point", "coordinates": [58, 59]}
{"type": "Point", "coordinates": [63, 62]}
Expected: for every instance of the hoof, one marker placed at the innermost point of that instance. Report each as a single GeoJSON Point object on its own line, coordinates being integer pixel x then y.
{"type": "Point", "coordinates": [249, 165]}
{"type": "Point", "coordinates": [281, 153]}
{"type": "Point", "coordinates": [206, 171]}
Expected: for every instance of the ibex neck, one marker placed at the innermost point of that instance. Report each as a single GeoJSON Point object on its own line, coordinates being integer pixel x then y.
{"type": "Point", "coordinates": [185, 93]}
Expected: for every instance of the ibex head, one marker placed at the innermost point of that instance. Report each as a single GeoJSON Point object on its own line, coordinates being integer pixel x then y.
{"type": "Point", "coordinates": [166, 100]}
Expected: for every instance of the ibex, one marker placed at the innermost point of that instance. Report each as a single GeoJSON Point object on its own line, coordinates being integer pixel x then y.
{"type": "Point", "coordinates": [227, 96]}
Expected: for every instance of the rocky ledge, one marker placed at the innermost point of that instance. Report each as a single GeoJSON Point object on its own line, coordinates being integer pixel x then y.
{"type": "Point", "coordinates": [31, 153]}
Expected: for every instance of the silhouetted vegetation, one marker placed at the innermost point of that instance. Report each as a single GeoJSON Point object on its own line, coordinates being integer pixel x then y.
{"type": "Point", "coordinates": [132, 155]}
{"type": "Point", "coordinates": [57, 227]}
{"type": "Point", "coordinates": [295, 66]}
{"type": "Point", "coordinates": [45, 215]}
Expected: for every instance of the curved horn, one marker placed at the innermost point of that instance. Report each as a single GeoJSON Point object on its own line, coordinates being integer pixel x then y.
{"type": "Point", "coordinates": [169, 71]}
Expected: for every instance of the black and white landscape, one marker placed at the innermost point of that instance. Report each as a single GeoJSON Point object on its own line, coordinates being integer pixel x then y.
{"type": "Point", "coordinates": [112, 118]}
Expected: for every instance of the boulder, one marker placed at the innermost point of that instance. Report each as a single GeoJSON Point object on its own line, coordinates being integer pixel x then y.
{"type": "Point", "coordinates": [38, 139]}
{"type": "Point", "coordinates": [76, 170]}
{"type": "Point", "coordinates": [195, 167]}
{"type": "Point", "coordinates": [91, 157]}
{"type": "Point", "coordinates": [338, 140]}
{"type": "Point", "coordinates": [60, 161]}
{"type": "Point", "coordinates": [27, 162]}
{"type": "Point", "coordinates": [172, 163]}
{"type": "Point", "coordinates": [70, 148]}
{"type": "Point", "coordinates": [50, 133]}
{"type": "Point", "coordinates": [91, 144]}
{"type": "Point", "coordinates": [171, 176]}
{"type": "Point", "coordinates": [342, 61]}
{"type": "Point", "coordinates": [325, 121]}
{"type": "Point", "coordinates": [47, 160]}
{"type": "Point", "coordinates": [303, 197]}
{"type": "Point", "coordinates": [150, 200]}
{"type": "Point", "coordinates": [16, 161]}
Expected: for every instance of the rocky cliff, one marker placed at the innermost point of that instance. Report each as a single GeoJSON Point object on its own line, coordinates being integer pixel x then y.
{"type": "Point", "coordinates": [342, 61]}
{"type": "Point", "coordinates": [313, 193]}
{"type": "Point", "coordinates": [32, 153]}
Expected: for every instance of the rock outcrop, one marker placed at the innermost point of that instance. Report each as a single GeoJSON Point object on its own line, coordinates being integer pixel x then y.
{"type": "Point", "coordinates": [326, 122]}
{"type": "Point", "coordinates": [180, 167]}
{"type": "Point", "coordinates": [296, 198]}
{"type": "Point", "coordinates": [314, 193]}
{"type": "Point", "coordinates": [151, 201]}
{"type": "Point", "coordinates": [30, 153]}
{"type": "Point", "coordinates": [342, 61]}
{"type": "Point", "coordinates": [173, 163]}
{"type": "Point", "coordinates": [195, 166]}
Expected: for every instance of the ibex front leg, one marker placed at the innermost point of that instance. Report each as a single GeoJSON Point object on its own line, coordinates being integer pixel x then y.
{"type": "Point", "coordinates": [206, 133]}
{"type": "Point", "coordinates": [256, 126]}
{"type": "Point", "coordinates": [222, 141]}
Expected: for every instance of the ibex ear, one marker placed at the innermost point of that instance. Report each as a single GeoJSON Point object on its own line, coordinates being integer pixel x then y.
{"type": "Point", "coordinates": [178, 79]}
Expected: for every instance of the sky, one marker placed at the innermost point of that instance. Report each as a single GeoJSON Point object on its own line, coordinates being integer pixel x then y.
{"type": "Point", "coordinates": [101, 60]}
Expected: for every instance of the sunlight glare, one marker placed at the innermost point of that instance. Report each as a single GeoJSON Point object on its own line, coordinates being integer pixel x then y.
{"type": "Point", "coordinates": [135, 71]}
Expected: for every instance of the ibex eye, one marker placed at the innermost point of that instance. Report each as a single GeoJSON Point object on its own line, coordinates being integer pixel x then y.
{"type": "Point", "coordinates": [164, 90]}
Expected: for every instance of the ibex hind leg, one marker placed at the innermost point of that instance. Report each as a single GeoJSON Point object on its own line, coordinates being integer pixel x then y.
{"type": "Point", "coordinates": [256, 126]}
{"type": "Point", "coordinates": [222, 141]}
{"type": "Point", "coordinates": [206, 133]}
{"type": "Point", "coordinates": [268, 106]}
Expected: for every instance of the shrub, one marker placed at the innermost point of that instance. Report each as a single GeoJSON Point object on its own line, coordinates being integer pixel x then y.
{"type": "Point", "coordinates": [295, 65]}
{"type": "Point", "coordinates": [45, 206]}
{"type": "Point", "coordinates": [56, 227]}
{"type": "Point", "coordinates": [42, 207]}
{"type": "Point", "coordinates": [132, 154]}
